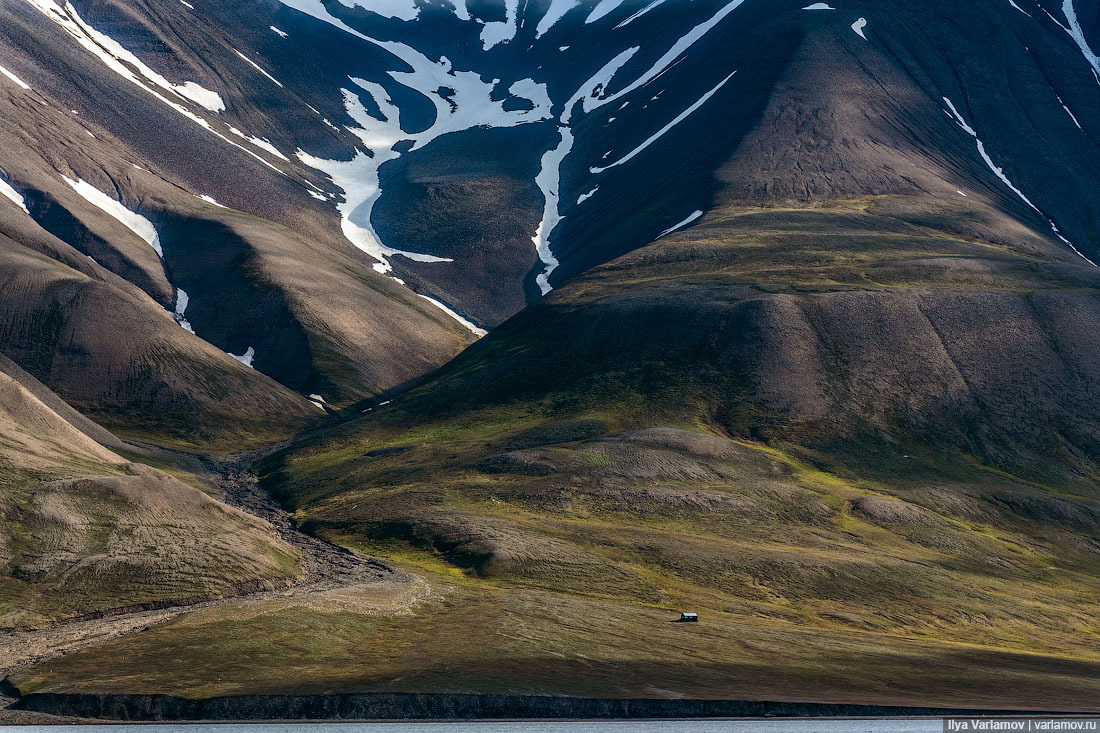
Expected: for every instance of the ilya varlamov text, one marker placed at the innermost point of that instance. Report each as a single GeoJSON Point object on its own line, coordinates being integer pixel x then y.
{"type": "Point", "coordinates": [957, 725]}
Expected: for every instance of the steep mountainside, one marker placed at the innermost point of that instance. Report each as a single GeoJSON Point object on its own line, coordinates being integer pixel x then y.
{"type": "Point", "coordinates": [84, 530]}
{"type": "Point", "coordinates": [784, 312]}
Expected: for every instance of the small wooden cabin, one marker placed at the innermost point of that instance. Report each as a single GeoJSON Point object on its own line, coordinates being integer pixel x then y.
{"type": "Point", "coordinates": [689, 618]}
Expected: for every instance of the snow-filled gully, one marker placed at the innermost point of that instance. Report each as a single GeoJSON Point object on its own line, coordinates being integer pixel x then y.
{"type": "Point", "coordinates": [140, 226]}
{"type": "Point", "coordinates": [953, 112]}
{"type": "Point", "coordinates": [125, 64]}
{"type": "Point", "coordinates": [590, 97]}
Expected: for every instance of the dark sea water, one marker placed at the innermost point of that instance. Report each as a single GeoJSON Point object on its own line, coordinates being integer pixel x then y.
{"type": "Point", "coordinates": [630, 726]}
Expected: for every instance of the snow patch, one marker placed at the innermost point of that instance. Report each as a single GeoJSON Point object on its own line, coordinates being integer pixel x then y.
{"type": "Point", "coordinates": [282, 34]}
{"type": "Point", "coordinates": [999, 172]}
{"type": "Point", "coordinates": [467, 324]}
{"type": "Point", "coordinates": [257, 67]}
{"type": "Point", "coordinates": [1013, 4]}
{"type": "Point", "coordinates": [501, 31]}
{"type": "Point", "coordinates": [602, 8]}
{"type": "Point", "coordinates": [245, 358]}
{"type": "Point", "coordinates": [690, 218]}
{"type": "Point", "coordinates": [585, 196]}
{"type": "Point", "coordinates": [556, 11]}
{"type": "Point", "coordinates": [181, 309]}
{"type": "Point", "coordinates": [12, 195]}
{"type": "Point", "coordinates": [469, 105]}
{"type": "Point", "coordinates": [400, 9]}
{"type": "Point", "coordinates": [15, 79]}
{"type": "Point", "coordinates": [136, 223]}
{"type": "Point", "coordinates": [210, 200]}
{"type": "Point", "coordinates": [819, 6]}
{"type": "Point", "coordinates": [656, 136]}
{"type": "Point", "coordinates": [122, 62]}
{"type": "Point", "coordinates": [858, 27]}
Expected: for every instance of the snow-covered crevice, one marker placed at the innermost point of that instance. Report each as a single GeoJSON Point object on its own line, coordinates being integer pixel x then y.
{"type": "Point", "coordinates": [1078, 34]}
{"type": "Point", "coordinates": [140, 226]}
{"type": "Point", "coordinates": [548, 181]}
{"type": "Point", "coordinates": [133, 221]}
{"type": "Point", "coordinates": [694, 216]}
{"type": "Point", "coordinates": [465, 322]}
{"type": "Point", "coordinates": [257, 67]}
{"type": "Point", "coordinates": [953, 112]}
{"type": "Point", "coordinates": [1071, 115]}
{"type": "Point", "coordinates": [1013, 4]}
{"type": "Point", "coordinates": [261, 143]}
{"type": "Point", "coordinates": [649, 6]}
{"type": "Point", "coordinates": [15, 79]}
{"type": "Point", "coordinates": [9, 193]}
{"type": "Point", "coordinates": [180, 313]}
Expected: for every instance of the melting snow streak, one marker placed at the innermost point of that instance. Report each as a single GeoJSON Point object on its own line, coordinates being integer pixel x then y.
{"type": "Point", "coordinates": [18, 82]}
{"type": "Point", "coordinates": [468, 325]}
{"type": "Point", "coordinates": [1078, 36]}
{"type": "Point", "coordinates": [679, 118]}
{"type": "Point", "coordinates": [12, 195]}
{"type": "Point", "coordinates": [136, 223]}
{"type": "Point", "coordinates": [691, 217]}
{"type": "Point", "coordinates": [999, 172]}
{"type": "Point", "coordinates": [181, 308]}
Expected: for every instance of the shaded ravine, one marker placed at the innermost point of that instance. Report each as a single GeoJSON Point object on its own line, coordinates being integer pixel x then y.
{"type": "Point", "coordinates": [324, 567]}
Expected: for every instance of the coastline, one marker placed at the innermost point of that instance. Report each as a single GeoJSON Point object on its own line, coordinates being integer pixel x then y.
{"type": "Point", "coordinates": [451, 706]}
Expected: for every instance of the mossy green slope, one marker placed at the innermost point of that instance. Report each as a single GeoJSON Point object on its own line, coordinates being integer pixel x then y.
{"type": "Point", "coordinates": [856, 438]}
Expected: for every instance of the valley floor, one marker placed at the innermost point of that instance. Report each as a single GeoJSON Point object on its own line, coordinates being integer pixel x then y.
{"type": "Point", "coordinates": [329, 573]}
{"type": "Point", "coordinates": [413, 623]}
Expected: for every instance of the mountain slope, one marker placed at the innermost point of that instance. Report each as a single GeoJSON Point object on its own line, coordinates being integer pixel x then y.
{"type": "Point", "coordinates": [793, 323]}
{"type": "Point", "coordinates": [86, 531]}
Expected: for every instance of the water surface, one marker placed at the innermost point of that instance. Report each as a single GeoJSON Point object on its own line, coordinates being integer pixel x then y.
{"type": "Point", "coordinates": [603, 726]}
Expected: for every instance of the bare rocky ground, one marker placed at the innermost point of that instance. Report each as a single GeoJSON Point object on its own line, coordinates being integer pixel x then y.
{"type": "Point", "coordinates": [328, 572]}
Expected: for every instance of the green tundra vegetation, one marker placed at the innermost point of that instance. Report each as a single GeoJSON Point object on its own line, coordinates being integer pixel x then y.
{"type": "Point", "coordinates": [717, 423]}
